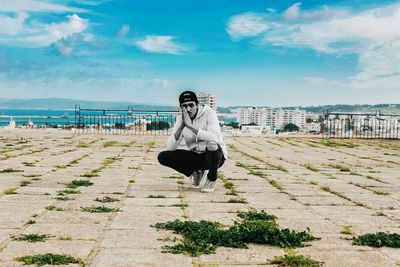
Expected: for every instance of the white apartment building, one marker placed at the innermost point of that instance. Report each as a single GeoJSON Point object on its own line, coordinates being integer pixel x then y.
{"type": "Point", "coordinates": [274, 118]}
{"type": "Point", "coordinates": [207, 99]}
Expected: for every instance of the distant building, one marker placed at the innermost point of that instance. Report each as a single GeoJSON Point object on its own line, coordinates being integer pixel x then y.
{"type": "Point", "coordinates": [207, 99]}
{"type": "Point", "coordinates": [273, 118]}
{"type": "Point", "coordinates": [313, 127]}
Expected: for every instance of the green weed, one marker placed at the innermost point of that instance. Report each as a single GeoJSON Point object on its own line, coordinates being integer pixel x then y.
{"type": "Point", "coordinates": [25, 183]}
{"type": "Point", "coordinates": [204, 237]}
{"type": "Point", "coordinates": [49, 258]}
{"type": "Point", "coordinates": [98, 209]}
{"type": "Point", "coordinates": [54, 208]}
{"type": "Point", "coordinates": [109, 143]}
{"type": "Point", "coordinates": [106, 199]}
{"type": "Point", "coordinates": [10, 170]}
{"type": "Point", "coordinates": [156, 196]}
{"type": "Point", "coordinates": [379, 239]}
{"type": "Point", "coordinates": [346, 230]}
{"type": "Point", "coordinates": [76, 183]}
{"type": "Point", "coordinates": [31, 238]}
{"type": "Point", "coordinates": [293, 260]}
{"type": "Point", "coordinates": [10, 191]}
{"type": "Point", "coordinates": [237, 200]}
{"type": "Point", "coordinates": [311, 168]}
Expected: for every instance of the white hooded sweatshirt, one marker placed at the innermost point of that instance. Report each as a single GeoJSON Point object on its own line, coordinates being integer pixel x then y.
{"type": "Point", "coordinates": [207, 122]}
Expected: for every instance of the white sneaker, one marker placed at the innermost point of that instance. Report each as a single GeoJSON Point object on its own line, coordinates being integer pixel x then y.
{"type": "Point", "coordinates": [197, 176]}
{"type": "Point", "coordinates": [208, 187]}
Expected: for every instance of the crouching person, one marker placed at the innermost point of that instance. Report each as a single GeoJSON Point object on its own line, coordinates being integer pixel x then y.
{"type": "Point", "coordinates": [195, 147]}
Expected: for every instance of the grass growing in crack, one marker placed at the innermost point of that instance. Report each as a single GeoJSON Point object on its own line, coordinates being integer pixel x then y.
{"type": "Point", "coordinates": [293, 260]}
{"type": "Point", "coordinates": [109, 143]}
{"type": "Point", "coordinates": [69, 191]}
{"type": "Point", "coordinates": [10, 170]}
{"type": "Point", "coordinates": [229, 185]}
{"type": "Point", "coordinates": [106, 199]}
{"type": "Point", "coordinates": [204, 237]}
{"type": "Point", "coordinates": [31, 238]}
{"type": "Point", "coordinates": [63, 198]}
{"type": "Point", "coordinates": [346, 230]}
{"type": "Point", "coordinates": [31, 175]}
{"type": "Point", "coordinates": [237, 200]}
{"type": "Point", "coordinates": [98, 209]}
{"type": "Point", "coordinates": [29, 164]}
{"type": "Point", "coordinates": [258, 173]}
{"type": "Point", "coordinates": [246, 166]}
{"type": "Point", "coordinates": [156, 196]}
{"type": "Point", "coordinates": [331, 143]}
{"type": "Point", "coordinates": [341, 168]}
{"type": "Point", "coordinates": [49, 258]}
{"type": "Point", "coordinates": [76, 183]}
{"type": "Point", "coordinates": [311, 168]}
{"type": "Point", "coordinates": [276, 184]}
{"type": "Point", "coordinates": [31, 222]}
{"type": "Point", "coordinates": [381, 193]}
{"type": "Point", "coordinates": [54, 208]}
{"type": "Point", "coordinates": [25, 183]}
{"type": "Point", "coordinates": [90, 174]}
{"type": "Point", "coordinates": [379, 239]}
{"type": "Point", "coordinates": [256, 215]}
{"type": "Point", "coordinates": [10, 191]}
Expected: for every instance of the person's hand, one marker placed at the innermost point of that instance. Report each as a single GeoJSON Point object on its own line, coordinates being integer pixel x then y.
{"type": "Point", "coordinates": [186, 118]}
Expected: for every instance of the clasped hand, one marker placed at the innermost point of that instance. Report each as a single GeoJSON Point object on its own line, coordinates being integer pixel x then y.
{"type": "Point", "coordinates": [186, 121]}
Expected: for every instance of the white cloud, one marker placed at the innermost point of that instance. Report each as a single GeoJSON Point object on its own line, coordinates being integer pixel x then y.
{"type": "Point", "coordinates": [163, 44]}
{"type": "Point", "coordinates": [292, 12]}
{"type": "Point", "coordinates": [373, 35]}
{"type": "Point", "coordinates": [161, 82]}
{"type": "Point", "coordinates": [246, 25]}
{"type": "Point", "coordinates": [16, 6]}
{"type": "Point", "coordinates": [124, 30]}
{"type": "Point", "coordinates": [55, 32]}
{"type": "Point", "coordinates": [318, 81]}
{"type": "Point", "coordinates": [92, 2]}
{"type": "Point", "coordinates": [12, 25]}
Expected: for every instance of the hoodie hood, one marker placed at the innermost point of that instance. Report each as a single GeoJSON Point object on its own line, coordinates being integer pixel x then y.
{"type": "Point", "coordinates": [202, 110]}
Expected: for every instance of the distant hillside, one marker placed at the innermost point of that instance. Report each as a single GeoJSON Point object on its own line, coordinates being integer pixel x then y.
{"type": "Point", "coordinates": [384, 108]}
{"type": "Point", "coordinates": [62, 103]}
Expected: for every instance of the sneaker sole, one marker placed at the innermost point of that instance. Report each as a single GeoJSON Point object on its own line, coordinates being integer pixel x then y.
{"type": "Point", "coordinates": [207, 190]}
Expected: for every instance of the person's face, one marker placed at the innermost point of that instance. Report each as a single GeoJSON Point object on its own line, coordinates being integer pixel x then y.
{"type": "Point", "coordinates": [191, 108]}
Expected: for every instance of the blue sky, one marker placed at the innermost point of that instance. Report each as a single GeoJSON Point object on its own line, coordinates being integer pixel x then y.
{"type": "Point", "coordinates": [262, 53]}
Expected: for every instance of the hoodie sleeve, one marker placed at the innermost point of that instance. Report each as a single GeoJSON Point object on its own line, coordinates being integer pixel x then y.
{"type": "Point", "coordinates": [173, 144]}
{"type": "Point", "coordinates": [213, 131]}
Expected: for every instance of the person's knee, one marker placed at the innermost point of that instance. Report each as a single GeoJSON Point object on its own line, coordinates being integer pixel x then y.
{"type": "Point", "coordinates": [212, 146]}
{"type": "Point", "coordinates": [162, 158]}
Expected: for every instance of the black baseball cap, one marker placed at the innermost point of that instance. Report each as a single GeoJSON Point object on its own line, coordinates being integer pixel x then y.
{"type": "Point", "coordinates": [187, 96]}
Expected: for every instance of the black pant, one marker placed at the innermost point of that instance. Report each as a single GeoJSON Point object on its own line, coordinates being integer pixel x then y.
{"type": "Point", "coordinates": [186, 162]}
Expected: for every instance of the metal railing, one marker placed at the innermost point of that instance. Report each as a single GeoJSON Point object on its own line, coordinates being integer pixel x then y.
{"type": "Point", "coordinates": [129, 121]}
{"type": "Point", "coordinates": [361, 125]}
